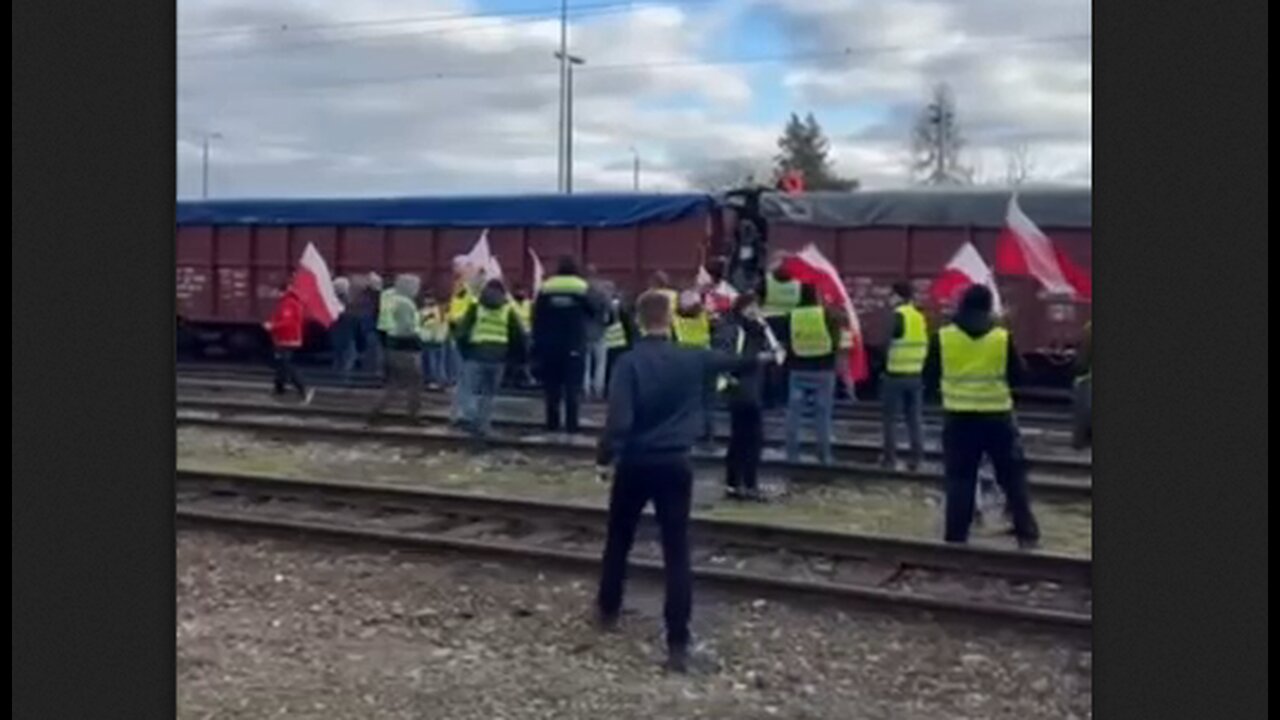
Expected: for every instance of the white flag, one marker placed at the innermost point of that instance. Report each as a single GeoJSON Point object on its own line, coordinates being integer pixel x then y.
{"type": "Point", "coordinates": [537, 271]}
{"type": "Point", "coordinates": [481, 260]}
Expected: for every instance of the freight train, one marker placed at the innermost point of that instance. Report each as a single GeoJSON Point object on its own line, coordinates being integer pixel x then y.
{"type": "Point", "coordinates": [233, 255]}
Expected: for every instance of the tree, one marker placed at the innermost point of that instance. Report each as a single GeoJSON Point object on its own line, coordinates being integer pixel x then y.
{"type": "Point", "coordinates": [936, 142]}
{"type": "Point", "coordinates": [1019, 164]}
{"type": "Point", "coordinates": [805, 148]}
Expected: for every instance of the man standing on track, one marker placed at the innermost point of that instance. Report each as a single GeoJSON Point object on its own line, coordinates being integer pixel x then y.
{"type": "Point", "coordinates": [749, 336]}
{"type": "Point", "coordinates": [460, 300]}
{"type": "Point", "coordinates": [493, 334]}
{"type": "Point", "coordinates": [286, 326]}
{"type": "Point", "coordinates": [561, 313]}
{"type": "Point", "coordinates": [975, 363]}
{"type": "Point", "coordinates": [654, 408]}
{"type": "Point", "coordinates": [780, 294]}
{"type": "Point", "coordinates": [600, 292]}
{"type": "Point", "coordinates": [403, 347]}
{"type": "Point", "coordinates": [692, 329]}
{"type": "Point", "coordinates": [813, 335]}
{"type": "Point", "coordinates": [900, 387]}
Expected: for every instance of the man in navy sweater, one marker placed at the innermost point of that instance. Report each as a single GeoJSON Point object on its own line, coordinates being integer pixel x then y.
{"type": "Point", "coordinates": [655, 415]}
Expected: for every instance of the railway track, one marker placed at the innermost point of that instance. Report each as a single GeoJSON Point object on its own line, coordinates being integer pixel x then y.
{"type": "Point", "coordinates": [853, 440]}
{"type": "Point", "coordinates": [1047, 590]}
{"type": "Point", "coordinates": [1032, 414]}
{"type": "Point", "coordinates": [285, 419]}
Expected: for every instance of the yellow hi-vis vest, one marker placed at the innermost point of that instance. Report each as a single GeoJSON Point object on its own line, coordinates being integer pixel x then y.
{"type": "Point", "coordinates": [692, 331]}
{"type": "Point", "coordinates": [460, 303]}
{"type": "Point", "coordinates": [433, 329]}
{"type": "Point", "coordinates": [524, 309]}
{"type": "Point", "coordinates": [490, 327]}
{"type": "Point", "coordinates": [906, 354]}
{"type": "Point", "coordinates": [810, 336]}
{"type": "Point", "coordinates": [615, 336]}
{"type": "Point", "coordinates": [389, 305]}
{"type": "Point", "coordinates": [565, 284]}
{"type": "Point", "coordinates": [973, 371]}
{"type": "Point", "coordinates": [386, 307]}
{"type": "Point", "coordinates": [780, 298]}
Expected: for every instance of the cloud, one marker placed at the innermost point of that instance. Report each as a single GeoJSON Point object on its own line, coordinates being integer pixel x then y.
{"type": "Point", "coordinates": [375, 97]}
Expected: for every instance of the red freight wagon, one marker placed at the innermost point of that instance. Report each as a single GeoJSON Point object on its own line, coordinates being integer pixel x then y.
{"type": "Point", "coordinates": [878, 237]}
{"type": "Point", "coordinates": [233, 255]}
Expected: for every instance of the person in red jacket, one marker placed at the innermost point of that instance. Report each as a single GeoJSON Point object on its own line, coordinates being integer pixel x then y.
{"type": "Point", "coordinates": [285, 327]}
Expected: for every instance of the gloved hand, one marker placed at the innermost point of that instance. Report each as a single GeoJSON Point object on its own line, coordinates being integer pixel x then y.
{"type": "Point", "coordinates": [604, 474]}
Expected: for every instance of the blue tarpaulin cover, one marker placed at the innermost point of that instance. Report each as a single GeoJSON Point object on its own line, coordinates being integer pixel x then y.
{"type": "Point", "coordinates": [586, 210]}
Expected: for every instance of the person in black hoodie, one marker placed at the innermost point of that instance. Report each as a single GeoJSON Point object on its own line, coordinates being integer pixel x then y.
{"type": "Point", "coordinates": [974, 363]}
{"type": "Point", "coordinates": [747, 335]}
{"type": "Point", "coordinates": [561, 313]}
{"type": "Point", "coordinates": [491, 334]}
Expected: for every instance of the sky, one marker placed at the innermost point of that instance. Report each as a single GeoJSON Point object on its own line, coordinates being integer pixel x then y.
{"type": "Point", "coordinates": [329, 98]}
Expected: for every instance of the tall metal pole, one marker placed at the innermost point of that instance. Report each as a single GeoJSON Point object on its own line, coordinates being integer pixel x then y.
{"type": "Point", "coordinates": [567, 175]}
{"type": "Point", "coordinates": [204, 169]}
{"type": "Point", "coordinates": [564, 82]}
{"type": "Point", "coordinates": [204, 161]}
{"type": "Point", "coordinates": [635, 170]}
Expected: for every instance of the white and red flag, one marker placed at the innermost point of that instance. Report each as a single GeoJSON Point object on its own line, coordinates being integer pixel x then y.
{"type": "Point", "coordinates": [314, 287]}
{"type": "Point", "coordinates": [480, 260]}
{"type": "Point", "coordinates": [1023, 250]}
{"type": "Point", "coordinates": [811, 267]}
{"type": "Point", "coordinates": [538, 272]}
{"type": "Point", "coordinates": [965, 268]}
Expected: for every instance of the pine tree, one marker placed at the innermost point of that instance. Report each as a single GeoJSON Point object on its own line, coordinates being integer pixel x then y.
{"type": "Point", "coordinates": [804, 147]}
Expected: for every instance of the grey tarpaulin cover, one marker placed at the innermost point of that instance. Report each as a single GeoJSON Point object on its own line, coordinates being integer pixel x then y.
{"type": "Point", "coordinates": [961, 207]}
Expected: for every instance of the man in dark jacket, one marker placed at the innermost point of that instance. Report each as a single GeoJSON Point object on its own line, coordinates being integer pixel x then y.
{"type": "Point", "coordinates": [561, 314]}
{"type": "Point", "coordinates": [812, 335]}
{"type": "Point", "coordinates": [655, 409]}
{"type": "Point", "coordinates": [491, 334]}
{"type": "Point", "coordinates": [747, 335]}
{"type": "Point", "coordinates": [975, 364]}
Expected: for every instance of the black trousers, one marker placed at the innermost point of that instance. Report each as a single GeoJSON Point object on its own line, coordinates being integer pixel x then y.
{"type": "Point", "coordinates": [670, 486]}
{"type": "Point", "coordinates": [286, 372]}
{"type": "Point", "coordinates": [746, 442]}
{"type": "Point", "coordinates": [562, 385]}
{"type": "Point", "coordinates": [965, 439]}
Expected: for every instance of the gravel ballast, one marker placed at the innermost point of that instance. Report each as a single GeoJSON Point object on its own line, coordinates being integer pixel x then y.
{"type": "Point", "coordinates": [284, 628]}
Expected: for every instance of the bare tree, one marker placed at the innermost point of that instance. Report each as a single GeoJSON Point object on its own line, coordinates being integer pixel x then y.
{"type": "Point", "coordinates": [732, 173]}
{"type": "Point", "coordinates": [1019, 164]}
{"type": "Point", "coordinates": [936, 142]}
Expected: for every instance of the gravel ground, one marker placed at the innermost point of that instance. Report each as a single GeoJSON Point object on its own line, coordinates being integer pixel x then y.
{"type": "Point", "coordinates": [274, 628]}
{"type": "Point", "coordinates": [891, 508]}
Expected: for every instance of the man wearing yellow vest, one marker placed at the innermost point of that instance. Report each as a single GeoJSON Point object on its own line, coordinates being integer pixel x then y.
{"type": "Point", "coordinates": [974, 363]}
{"type": "Point", "coordinates": [812, 337]}
{"type": "Point", "coordinates": [491, 334]}
{"type": "Point", "coordinates": [461, 298]}
{"type": "Point", "coordinates": [691, 327]}
{"type": "Point", "coordinates": [900, 386]}
{"type": "Point", "coordinates": [779, 295]}
{"type": "Point", "coordinates": [434, 331]}
{"type": "Point", "coordinates": [619, 335]}
{"type": "Point", "coordinates": [403, 346]}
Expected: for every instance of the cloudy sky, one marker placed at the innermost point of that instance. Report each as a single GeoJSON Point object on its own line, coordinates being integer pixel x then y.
{"type": "Point", "coordinates": [404, 97]}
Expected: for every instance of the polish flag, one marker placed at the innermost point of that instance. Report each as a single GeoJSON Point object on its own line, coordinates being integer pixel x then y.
{"type": "Point", "coordinates": [481, 260]}
{"type": "Point", "coordinates": [314, 287]}
{"type": "Point", "coordinates": [965, 268]}
{"type": "Point", "coordinates": [537, 271]}
{"type": "Point", "coordinates": [809, 266]}
{"type": "Point", "coordinates": [719, 299]}
{"type": "Point", "coordinates": [1023, 250]}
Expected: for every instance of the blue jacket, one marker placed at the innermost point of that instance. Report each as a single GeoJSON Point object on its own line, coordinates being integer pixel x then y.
{"type": "Point", "coordinates": [655, 400]}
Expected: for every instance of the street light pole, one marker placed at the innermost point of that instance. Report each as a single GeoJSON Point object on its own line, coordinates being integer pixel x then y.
{"type": "Point", "coordinates": [567, 138]}
{"type": "Point", "coordinates": [563, 56]}
{"type": "Point", "coordinates": [635, 169]}
{"type": "Point", "coordinates": [204, 163]}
